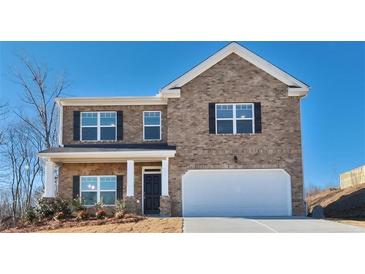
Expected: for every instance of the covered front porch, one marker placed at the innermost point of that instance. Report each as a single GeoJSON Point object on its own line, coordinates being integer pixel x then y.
{"type": "Point", "coordinates": [140, 176]}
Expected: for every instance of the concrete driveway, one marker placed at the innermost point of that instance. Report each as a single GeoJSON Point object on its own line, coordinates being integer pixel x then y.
{"type": "Point", "coordinates": [264, 225]}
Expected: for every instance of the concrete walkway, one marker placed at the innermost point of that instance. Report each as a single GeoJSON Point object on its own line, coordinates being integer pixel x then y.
{"type": "Point", "coordinates": [264, 225]}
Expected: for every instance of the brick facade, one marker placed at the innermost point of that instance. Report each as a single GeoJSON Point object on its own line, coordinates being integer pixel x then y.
{"type": "Point", "coordinates": [68, 170]}
{"type": "Point", "coordinates": [235, 80]}
{"type": "Point", "coordinates": [132, 123]}
{"type": "Point", "coordinates": [185, 124]}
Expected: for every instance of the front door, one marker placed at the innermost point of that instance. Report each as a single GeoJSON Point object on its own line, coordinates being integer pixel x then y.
{"type": "Point", "coordinates": [152, 193]}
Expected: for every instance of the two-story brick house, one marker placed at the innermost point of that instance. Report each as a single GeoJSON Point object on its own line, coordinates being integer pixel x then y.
{"type": "Point", "coordinates": [224, 139]}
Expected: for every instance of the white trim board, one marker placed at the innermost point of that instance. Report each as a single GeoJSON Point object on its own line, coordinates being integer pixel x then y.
{"type": "Point", "coordinates": [112, 101]}
{"type": "Point", "coordinates": [108, 156]}
{"type": "Point", "coordinates": [295, 87]}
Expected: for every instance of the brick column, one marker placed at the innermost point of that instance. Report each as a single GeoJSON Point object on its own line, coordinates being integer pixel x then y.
{"type": "Point", "coordinates": [165, 206]}
{"type": "Point", "coordinates": [165, 200]}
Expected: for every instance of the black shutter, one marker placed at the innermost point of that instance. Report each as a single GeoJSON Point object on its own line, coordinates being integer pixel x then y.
{"type": "Point", "coordinates": [119, 187]}
{"type": "Point", "coordinates": [258, 127]}
{"type": "Point", "coordinates": [76, 125]}
{"type": "Point", "coordinates": [212, 118]}
{"type": "Point", "coordinates": [76, 187]}
{"type": "Point", "coordinates": [119, 125]}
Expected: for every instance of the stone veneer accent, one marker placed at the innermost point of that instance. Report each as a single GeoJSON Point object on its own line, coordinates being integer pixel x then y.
{"type": "Point", "coordinates": [132, 123]}
{"type": "Point", "coordinates": [165, 206]}
{"type": "Point", "coordinates": [67, 171]}
{"type": "Point", "coordinates": [131, 205]}
{"type": "Point", "coordinates": [234, 80]}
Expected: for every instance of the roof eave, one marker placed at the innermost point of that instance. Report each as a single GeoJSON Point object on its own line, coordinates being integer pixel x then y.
{"type": "Point", "coordinates": [110, 101]}
{"type": "Point", "coordinates": [298, 91]}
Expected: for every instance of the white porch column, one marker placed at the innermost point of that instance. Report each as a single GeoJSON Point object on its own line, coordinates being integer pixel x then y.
{"type": "Point", "coordinates": [130, 178]}
{"type": "Point", "coordinates": [165, 177]}
{"type": "Point", "coordinates": [50, 182]}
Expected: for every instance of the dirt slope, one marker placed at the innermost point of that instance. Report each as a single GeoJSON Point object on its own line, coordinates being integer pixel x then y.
{"type": "Point", "coordinates": [149, 225]}
{"type": "Point", "coordinates": [146, 225]}
{"type": "Point", "coordinates": [340, 203]}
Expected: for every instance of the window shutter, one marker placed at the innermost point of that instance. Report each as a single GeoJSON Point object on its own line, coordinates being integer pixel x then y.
{"type": "Point", "coordinates": [212, 118]}
{"type": "Point", "coordinates": [76, 187]}
{"type": "Point", "coordinates": [76, 125]}
{"type": "Point", "coordinates": [119, 125]}
{"type": "Point", "coordinates": [257, 108]}
{"type": "Point", "coordinates": [119, 187]}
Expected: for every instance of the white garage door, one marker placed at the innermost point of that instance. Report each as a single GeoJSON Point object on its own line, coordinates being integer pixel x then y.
{"type": "Point", "coordinates": [236, 192]}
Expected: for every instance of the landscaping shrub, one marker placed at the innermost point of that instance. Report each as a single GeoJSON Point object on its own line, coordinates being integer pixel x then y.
{"type": "Point", "coordinates": [100, 214]}
{"type": "Point", "coordinates": [82, 215]}
{"type": "Point", "coordinates": [30, 215]}
{"type": "Point", "coordinates": [119, 215]}
{"type": "Point", "coordinates": [99, 206]}
{"type": "Point", "coordinates": [76, 206]}
{"type": "Point", "coordinates": [120, 209]}
{"type": "Point", "coordinates": [47, 207]}
{"type": "Point", "coordinates": [59, 216]}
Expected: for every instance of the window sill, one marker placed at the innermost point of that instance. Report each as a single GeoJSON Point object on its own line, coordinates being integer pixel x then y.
{"type": "Point", "coordinates": [234, 134]}
{"type": "Point", "coordinates": [98, 141]}
{"type": "Point", "coordinates": [90, 206]}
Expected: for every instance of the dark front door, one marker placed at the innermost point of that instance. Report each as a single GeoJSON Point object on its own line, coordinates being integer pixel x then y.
{"type": "Point", "coordinates": [152, 193]}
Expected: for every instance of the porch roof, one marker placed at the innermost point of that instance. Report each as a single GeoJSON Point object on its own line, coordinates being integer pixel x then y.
{"type": "Point", "coordinates": [103, 153]}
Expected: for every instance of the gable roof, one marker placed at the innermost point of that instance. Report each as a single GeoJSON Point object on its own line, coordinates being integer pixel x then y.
{"type": "Point", "coordinates": [295, 87]}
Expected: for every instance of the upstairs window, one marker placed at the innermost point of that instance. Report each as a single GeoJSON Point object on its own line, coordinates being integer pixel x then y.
{"type": "Point", "coordinates": [234, 118]}
{"type": "Point", "coordinates": [98, 126]}
{"type": "Point", "coordinates": [152, 125]}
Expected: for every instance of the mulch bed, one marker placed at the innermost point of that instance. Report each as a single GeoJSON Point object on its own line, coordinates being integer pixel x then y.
{"type": "Point", "coordinates": [52, 224]}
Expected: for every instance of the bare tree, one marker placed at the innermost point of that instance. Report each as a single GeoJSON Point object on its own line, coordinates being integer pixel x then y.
{"type": "Point", "coordinates": [40, 95]}
{"type": "Point", "coordinates": [20, 156]}
{"type": "Point", "coordinates": [3, 111]}
{"type": "Point", "coordinates": [34, 130]}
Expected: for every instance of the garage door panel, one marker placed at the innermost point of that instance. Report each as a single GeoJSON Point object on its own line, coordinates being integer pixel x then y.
{"type": "Point", "coordinates": [236, 193]}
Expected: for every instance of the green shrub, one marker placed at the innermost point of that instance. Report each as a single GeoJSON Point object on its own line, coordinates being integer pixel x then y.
{"type": "Point", "coordinates": [120, 209]}
{"type": "Point", "coordinates": [30, 215]}
{"type": "Point", "coordinates": [47, 208]}
{"type": "Point", "coordinates": [59, 216]}
{"type": "Point", "coordinates": [99, 206]}
{"type": "Point", "coordinates": [76, 205]}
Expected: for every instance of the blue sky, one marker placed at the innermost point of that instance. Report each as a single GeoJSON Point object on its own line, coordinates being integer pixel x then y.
{"type": "Point", "coordinates": [333, 114]}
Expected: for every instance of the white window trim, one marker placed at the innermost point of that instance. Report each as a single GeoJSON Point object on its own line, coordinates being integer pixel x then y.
{"type": "Point", "coordinates": [160, 125]}
{"type": "Point", "coordinates": [234, 119]}
{"type": "Point", "coordinates": [98, 190]}
{"type": "Point", "coordinates": [98, 125]}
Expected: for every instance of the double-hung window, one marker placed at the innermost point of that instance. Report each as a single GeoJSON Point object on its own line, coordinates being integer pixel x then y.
{"type": "Point", "coordinates": [98, 126]}
{"type": "Point", "coordinates": [96, 189]}
{"type": "Point", "coordinates": [234, 118]}
{"type": "Point", "coordinates": [152, 125]}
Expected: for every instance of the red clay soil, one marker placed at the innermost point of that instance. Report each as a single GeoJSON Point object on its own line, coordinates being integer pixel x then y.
{"type": "Point", "coordinates": [130, 223]}
{"type": "Point", "coordinates": [340, 203]}
{"type": "Point", "coordinates": [147, 225]}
